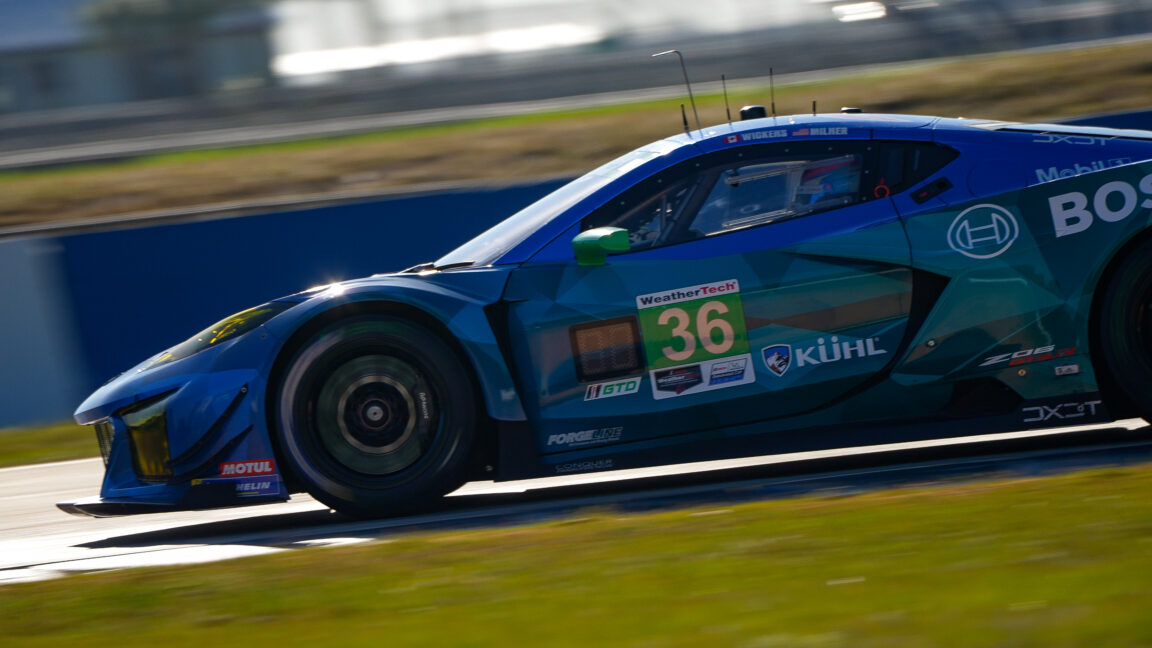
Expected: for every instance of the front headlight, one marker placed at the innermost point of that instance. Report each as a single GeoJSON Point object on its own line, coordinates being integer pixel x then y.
{"type": "Point", "coordinates": [222, 331]}
{"type": "Point", "coordinates": [147, 426]}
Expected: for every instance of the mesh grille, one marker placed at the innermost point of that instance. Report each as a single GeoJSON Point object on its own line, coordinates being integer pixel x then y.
{"type": "Point", "coordinates": [104, 432]}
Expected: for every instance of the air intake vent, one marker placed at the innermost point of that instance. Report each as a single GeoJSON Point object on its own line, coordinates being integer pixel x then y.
{"type": "Point", "coordinates": [104, 432]}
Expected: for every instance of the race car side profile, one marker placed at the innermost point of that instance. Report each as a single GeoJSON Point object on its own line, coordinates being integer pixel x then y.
{"type": "Point", "coordinates": [771, 285]}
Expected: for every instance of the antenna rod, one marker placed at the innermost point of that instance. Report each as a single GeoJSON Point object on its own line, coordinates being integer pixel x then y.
{"type": "Point", "coordinates": [684, 116]}
{"type": "Point", "coordinates": [772, 90]}
{"type": "Point", "coordinates": [684, 69]}
{"type": "Point", "coordinates": [727, 109]}
{"type": "Point", "coordinates": [813, 107]}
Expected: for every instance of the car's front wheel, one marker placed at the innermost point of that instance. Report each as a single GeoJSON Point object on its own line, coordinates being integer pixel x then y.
{"type": "Point", "coordinates": [376, 416]}
{"type": "Point", "coordinates": [1125, 327]}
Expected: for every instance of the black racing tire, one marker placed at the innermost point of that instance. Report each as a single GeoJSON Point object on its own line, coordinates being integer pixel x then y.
{"type": "Point", "coordinates": [1125, 326]}
{"type": "Point", "coordinates": [376, 416]}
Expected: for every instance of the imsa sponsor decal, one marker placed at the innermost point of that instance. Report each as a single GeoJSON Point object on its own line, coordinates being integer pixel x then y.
{"type": "Point", "coordinates": [727, 371]}
{"type": "Point", "coordinates": [677, 379]}
{"type": "Point", "coordinates": [612, 388]}
{"type": "Point", "coordinates": [701, 377]}
{"type": "Point", "coordinates": [245, 468]}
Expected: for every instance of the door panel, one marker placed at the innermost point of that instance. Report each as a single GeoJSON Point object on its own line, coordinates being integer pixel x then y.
{"type": "Point", "coordinates": [744, 326]}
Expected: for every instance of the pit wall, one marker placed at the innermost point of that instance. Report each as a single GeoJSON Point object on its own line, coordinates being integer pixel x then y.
{"type": "Point", "coordinates": [80, 308]}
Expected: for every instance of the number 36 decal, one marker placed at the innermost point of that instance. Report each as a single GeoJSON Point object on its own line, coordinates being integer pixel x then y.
{"type": "Point", "coordinates": [697, 328]}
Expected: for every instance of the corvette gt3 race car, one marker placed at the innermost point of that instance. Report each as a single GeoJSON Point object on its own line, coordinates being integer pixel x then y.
{"type": "Point", "coordinates": [772, 285]}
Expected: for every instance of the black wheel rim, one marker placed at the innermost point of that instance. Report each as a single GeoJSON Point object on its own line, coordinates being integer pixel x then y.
{"type": "Point", "coordinates": [374, 414]}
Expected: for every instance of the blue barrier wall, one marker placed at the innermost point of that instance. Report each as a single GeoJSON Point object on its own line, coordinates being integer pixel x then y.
{"type": "Point", "coordinates": [41, 377]}
{"type": "Point", "coordinates": [127, 294]}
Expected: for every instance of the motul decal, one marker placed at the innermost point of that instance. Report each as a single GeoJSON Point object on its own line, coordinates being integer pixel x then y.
{"type": "Point", "coordinates": [243, 468]}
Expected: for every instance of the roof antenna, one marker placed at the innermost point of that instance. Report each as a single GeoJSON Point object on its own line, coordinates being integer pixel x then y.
{"type": "Point", "coordinates": [684, 116]}
{"type": "Point", "coordinates": [813, 107]}
{"type": "Point", "coordinates": [727, 109]}
{"type": "Point", "coordinates": [772, 89]}
{"type": "Point", "coordinates": [684, 69]}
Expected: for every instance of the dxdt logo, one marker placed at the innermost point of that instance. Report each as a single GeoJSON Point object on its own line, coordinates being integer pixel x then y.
{"type": "Point", "coordinates": [983, 231]}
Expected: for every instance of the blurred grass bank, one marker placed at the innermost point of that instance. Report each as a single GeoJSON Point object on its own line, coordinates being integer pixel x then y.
{"type": "Point", "coordinates": [59, 442]}
{"type": "Point", "coordinates": [1045, 562]}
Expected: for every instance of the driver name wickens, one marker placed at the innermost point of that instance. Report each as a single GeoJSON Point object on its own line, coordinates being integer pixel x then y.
{"type": "Point", "coordinates": [695, 339]}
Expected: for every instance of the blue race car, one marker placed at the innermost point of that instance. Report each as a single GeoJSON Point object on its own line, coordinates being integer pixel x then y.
{"type": "Point", "coordinates": [773, 285]}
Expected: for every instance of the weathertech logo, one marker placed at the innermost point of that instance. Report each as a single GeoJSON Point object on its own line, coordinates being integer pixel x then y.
{"type": "Point", "coordinates": [983, 231]}
{"type": "Point", "coordinates": [245, 468]}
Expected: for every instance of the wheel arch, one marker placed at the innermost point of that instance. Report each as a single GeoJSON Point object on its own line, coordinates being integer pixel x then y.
{"type": "Point", "coordinates": [1121, 404]}
{"type": "Point", "coordinates": [484, 451]}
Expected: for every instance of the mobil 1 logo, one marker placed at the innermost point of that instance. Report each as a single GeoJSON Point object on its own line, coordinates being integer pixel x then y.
{"type": "Point", "coordinates": [695, 338]}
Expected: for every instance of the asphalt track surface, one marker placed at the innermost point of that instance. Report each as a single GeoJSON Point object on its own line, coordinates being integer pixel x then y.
{"type": "Point", "coordinates": [38, 542]}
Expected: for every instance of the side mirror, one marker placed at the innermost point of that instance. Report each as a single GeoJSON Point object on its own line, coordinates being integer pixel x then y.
{"type": "Point", "coordinates": [592, 247]}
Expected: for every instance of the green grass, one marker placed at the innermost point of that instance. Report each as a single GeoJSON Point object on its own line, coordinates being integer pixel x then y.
{"type": "Point", "coordinates": [1045, 562]}
{"type": "Point", "coordinates": [19, 446]}
{"type": "Point", "coordinates": [1031, 86]}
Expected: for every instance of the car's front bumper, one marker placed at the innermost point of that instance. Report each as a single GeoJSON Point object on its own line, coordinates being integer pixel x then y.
{"type": "Point", "coordinates": [186, 435]}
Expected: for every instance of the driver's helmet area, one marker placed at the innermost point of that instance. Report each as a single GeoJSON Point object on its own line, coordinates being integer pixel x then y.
{"type": "Point", "coordinates": [828, 182]}
{"type": "Point", "coordinates": [735, 196]}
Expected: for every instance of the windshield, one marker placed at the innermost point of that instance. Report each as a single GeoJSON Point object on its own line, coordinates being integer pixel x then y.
{"type": "Point", "coordinates": [486, 248]}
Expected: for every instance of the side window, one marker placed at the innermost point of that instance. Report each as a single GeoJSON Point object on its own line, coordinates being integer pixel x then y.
{"type": "Point", "coordinates": [650, 222]}
{"type": "Point", "coordinates": [750, 186]}
{"type": "Point", "coordinates": [761, 193]}
{"type": "Point", "coordinates": [904, 164]}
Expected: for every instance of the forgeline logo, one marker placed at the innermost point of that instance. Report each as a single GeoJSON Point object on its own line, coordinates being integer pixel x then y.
{"type": "Point", "coordinates": [610, 389]}
{"type": "Point", "coordinates": [586, 437]}
{"type": "Point", "coordinates": [1112, 202]}
{"type": "Point", "coordinates": [983, 231]}
{"type": "Point", "coordinates": [245, 468]}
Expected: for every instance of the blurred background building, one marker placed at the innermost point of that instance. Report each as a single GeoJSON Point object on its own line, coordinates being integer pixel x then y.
{"type": "Point", "coordinates": [64, 53]}
{"type": "Point", "coordinates": [83, 70]}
